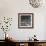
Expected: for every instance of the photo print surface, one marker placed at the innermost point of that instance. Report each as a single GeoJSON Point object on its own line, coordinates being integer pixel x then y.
{"type": "Point", "coordinates": [25, 20]}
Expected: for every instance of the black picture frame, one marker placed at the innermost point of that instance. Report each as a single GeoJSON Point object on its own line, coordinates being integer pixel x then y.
{"type": "Point", "coordinates": [25, 20]}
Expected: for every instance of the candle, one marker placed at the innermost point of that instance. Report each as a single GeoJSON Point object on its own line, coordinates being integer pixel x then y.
{"type": "Point", "coordinates": [7, 35]}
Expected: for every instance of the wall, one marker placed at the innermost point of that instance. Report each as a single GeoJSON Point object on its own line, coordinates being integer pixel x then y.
{"type": "Point", "coordinates": [11, 8]}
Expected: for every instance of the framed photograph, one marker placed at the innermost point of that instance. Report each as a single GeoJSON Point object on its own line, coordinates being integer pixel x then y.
{"type": "Point", "coordinates": [25, 20]}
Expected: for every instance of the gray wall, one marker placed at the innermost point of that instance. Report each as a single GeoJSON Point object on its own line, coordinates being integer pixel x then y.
{"type": "Point", "coordinates": [11, 8]}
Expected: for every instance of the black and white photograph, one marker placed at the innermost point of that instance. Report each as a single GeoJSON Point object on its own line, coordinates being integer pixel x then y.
{"type": "Point", "coordinates": [25, 20]}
